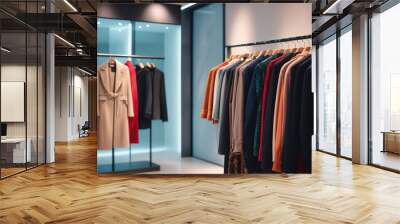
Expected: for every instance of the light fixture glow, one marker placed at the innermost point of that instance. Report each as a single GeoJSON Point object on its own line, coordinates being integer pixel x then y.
{"type": "Point", "coordinates": [84, 71]}
{"type": "Point", "coordinates": [167, 28]}
{"type": "Point", "coordinates": [188, 6]}
{"type": "Point", "coordinates": [140, 27]}
{"type": "Point", "coordinates": [98, 23]}
{"type": "Point", "coordinates": [5, 50]}
{"type": "Point", "coordinates": [147, 25]}
{"type": "Point", "coordinates": [70, 5]}
{"type": "Point", "coordinates": [64, 40]}
{"type": "Point", "coordinates": [327, 11]}
{"type": "Point", "coordinates": [119, 24]}
{"type": "Point", "coordinates": [119, 30]}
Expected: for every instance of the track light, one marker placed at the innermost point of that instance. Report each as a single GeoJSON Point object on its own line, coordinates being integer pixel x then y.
{"type": "Point", "coordinates": [70, 5]}
{"type": "Point", "coordinates": [64, 40]}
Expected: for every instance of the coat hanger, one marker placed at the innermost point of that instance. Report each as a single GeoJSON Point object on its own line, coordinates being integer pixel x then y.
{"type": "Point", "coordinates": [141, 65]}
{"type": "Point", "coordinates": [111, 61]}
{"type": "Point", "coordinates": [301, 48]}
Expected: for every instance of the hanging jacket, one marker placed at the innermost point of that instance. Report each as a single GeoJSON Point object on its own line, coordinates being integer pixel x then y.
{"type": "Point", "coordinates": [114, 106]}
{"type": "Point", "coordinates": [133, 121]}
{"type": "Point", "coordinates": [269, 113]}
{"type": "Point", "coordinates": [145, 95]}
{"type": "Point", "coordinates": [159, 100]}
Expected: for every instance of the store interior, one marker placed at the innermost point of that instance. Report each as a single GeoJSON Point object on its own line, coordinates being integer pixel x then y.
{"type": "Point", "coordinates": [186, 139]}
{"type": "Point", "coordinates": [213, 27]}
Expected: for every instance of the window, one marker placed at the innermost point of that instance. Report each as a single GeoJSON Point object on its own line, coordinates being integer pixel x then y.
{"type": "Point", "coordinates": [346, 92]}
{"type": "Point", "coordinates": [385, 89]}
{"type": "Point", "coordinates": [327, 96]}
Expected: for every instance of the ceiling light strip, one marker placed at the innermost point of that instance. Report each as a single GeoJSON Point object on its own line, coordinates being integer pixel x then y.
{"type": "Point", "coordinates": [70, 5]}
{"type": "Point", "coordinates": [84, 71]}
{"type": "Point", "coordinates": [64, 40]}
{"type": "Point", "coordinates": [187, 6]}
{"type": "Point", "coordinates": [5, 50]}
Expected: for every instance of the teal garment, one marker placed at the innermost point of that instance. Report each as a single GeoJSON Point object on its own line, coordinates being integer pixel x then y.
{"type": "Point", "coordinates": [259, 76]}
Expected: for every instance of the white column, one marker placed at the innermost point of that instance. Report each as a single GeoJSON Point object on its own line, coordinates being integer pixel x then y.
{"type": "Point", "coordinates": [360, 90]}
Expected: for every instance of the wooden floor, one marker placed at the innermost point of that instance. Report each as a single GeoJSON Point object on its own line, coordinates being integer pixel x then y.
{"type": "Point", "coordinates": [70, 191]}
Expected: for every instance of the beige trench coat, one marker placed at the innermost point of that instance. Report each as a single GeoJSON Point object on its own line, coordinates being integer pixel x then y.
{"type": "Point", "coordinates": [113, 107]}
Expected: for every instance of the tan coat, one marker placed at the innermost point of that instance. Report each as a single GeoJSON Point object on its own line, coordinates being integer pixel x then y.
{"type": "Point", "coordinates": [113, 121]}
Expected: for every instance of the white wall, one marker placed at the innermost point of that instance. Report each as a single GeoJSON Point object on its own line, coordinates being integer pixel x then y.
{"type": "Point", "coordinates": [251, 22]}
{"type": "Point", "coordinates": [68, 83]}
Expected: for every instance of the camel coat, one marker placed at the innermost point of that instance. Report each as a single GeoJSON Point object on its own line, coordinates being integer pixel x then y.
{"type": "Point", "coordinates": [114, 106]}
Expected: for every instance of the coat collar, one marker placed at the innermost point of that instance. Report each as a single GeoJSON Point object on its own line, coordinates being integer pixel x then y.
{"type": "Point", "coordinates": [105, 78]}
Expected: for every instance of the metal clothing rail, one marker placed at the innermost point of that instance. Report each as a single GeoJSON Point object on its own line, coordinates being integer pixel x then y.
{"type": "Point", "coordinates": [130, 56]}
{"type": "Point", "coordinates": [229, 47]}
{"type": "Point", "coordinates": [137, 166]}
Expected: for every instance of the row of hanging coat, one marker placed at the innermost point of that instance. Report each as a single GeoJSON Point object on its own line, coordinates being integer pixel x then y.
{"type": "Point", "coordinates": [129, 97]}
{"type": "Point", "coordinates": [263, 104]}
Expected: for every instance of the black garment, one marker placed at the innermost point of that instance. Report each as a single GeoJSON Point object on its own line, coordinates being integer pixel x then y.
{"type": "Point", "coordinates": [145, 96]}
{"type": "Point", "coordinates": [250, 117]}
{"type": "Point", "coordinates": [159, 104]}
{"type": "Point", "coordinates": [306, 129]}
{"type": "Point", "coordinates": [151, 96]}
{"type": "Point", "coordinates": [269, 113]}
{"type": "Point", "coordinates": [291, 159]}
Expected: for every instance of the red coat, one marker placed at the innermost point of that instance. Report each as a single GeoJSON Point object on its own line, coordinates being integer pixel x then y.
{"type": "Point", "coordinates": [133, 121]}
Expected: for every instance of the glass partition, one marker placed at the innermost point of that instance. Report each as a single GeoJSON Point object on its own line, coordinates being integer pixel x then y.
{"type": "Point", "coordinates": [22, 90]}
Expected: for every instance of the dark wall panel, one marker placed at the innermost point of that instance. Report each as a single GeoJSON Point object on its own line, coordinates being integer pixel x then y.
{"type": "Point", "coordinates": [186, 83]}
{"type": "Point", "coordinates": [156, 13]}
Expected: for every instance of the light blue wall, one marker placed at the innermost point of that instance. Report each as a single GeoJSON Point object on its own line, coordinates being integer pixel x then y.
{"type": "Point", "coordinates": [208, 46]}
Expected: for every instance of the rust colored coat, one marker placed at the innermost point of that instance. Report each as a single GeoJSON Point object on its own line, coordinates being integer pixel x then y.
{"type": "Point", "coordinates": [114, 106]}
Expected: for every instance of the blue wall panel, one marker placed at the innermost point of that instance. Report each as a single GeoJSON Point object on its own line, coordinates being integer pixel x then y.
{"type": "Point", "coordinates": [208, 47]}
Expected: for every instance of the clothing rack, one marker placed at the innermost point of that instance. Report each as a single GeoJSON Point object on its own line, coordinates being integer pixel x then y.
{"type": "Point", "coordinates": [229, 51]}
{"type": "Point", "coordinates": [229, 47]}
{"type": "Point", "coordinates": [139, 166]}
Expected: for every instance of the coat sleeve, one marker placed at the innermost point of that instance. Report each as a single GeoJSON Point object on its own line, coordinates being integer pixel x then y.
{"type": "Point", "coordinates": [129, 94]}
{"type": "Point", "coordinates": [164, 111]}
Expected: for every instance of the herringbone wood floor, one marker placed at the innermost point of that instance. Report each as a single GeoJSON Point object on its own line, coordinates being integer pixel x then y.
{"type": "Point", "coordinates": [70, 191]}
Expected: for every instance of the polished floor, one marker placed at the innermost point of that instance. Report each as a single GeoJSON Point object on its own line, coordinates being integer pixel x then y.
{"type": "Point", "coordinates": [386, 159]}
{"type": "Point", "coordinates": [70, 191]}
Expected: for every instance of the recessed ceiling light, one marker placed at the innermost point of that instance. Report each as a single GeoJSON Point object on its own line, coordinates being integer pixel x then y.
{"type": "Point", "coordinates": [119, 24]}
{"type": "Point", "coordinates": [140, 27]}
{"type": "Point", "coordinates": [147, 25]}
{"type": "Point", "coordinates": [167, 28]}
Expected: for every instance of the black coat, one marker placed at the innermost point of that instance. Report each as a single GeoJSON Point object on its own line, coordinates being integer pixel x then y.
{"type": "Point", "coordinates": [224, 129]}
{"type": "Point", "coordinates": [292, 158]}
{"type": "Point", "coordinates": [269, 114]}
{"type": "Point", "coordinates": [151, 96]}
{"type": "Point", "coordinates": [145, 96]}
